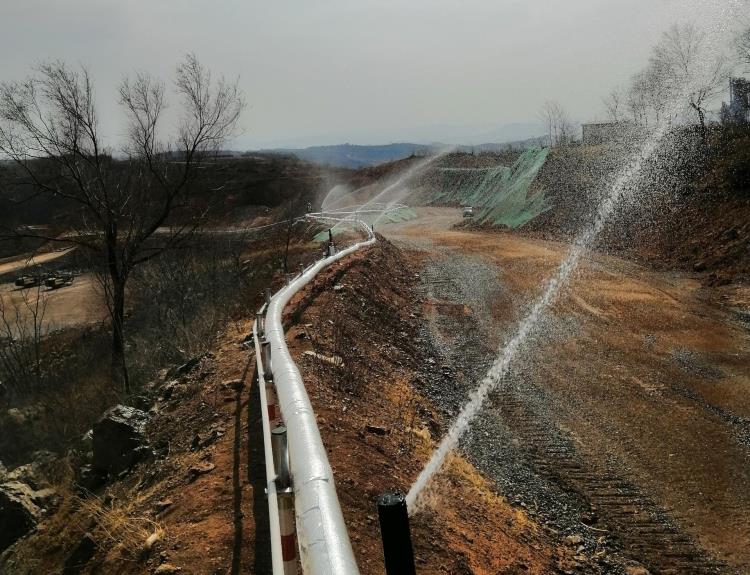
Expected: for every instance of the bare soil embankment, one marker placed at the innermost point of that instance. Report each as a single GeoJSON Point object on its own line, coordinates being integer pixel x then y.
{"type": "Point", "coordinates": [691, 211]}
{"type": "Point", "coordinates": [380, 427]}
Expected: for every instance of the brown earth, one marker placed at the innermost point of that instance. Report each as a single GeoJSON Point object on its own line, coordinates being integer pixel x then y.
{"type": "Point", "coordinates": [204, 496]}
{"type": "Point", "coordinates": [691, 212]}
{"type": "Point", "coordinates": [469, 529]}
{"type": "Point", "coordinates": [654, 374]}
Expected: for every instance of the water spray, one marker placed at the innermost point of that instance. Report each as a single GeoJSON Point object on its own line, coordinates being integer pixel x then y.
{"type": "Point", "coordinates": [621, 189]}
{"type": "Point", "coordinates": [499, 368]}
{"type": "Point", "coordinates": [383, 206]}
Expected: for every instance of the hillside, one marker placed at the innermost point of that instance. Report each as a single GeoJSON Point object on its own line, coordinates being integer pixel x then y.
{"type": "Point", "coordinates": [691, 211]}
{"type": "Point", "coordinates": [230, 190]}
{"type": "Point", "coordinates": [355, 156]}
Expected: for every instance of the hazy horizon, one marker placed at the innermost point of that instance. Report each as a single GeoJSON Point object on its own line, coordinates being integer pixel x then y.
{"type": "Point", "coordinates": [365, 73]}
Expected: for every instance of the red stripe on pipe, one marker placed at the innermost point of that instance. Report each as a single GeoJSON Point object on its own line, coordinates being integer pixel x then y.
{"type": "Point", "coordinates": [288, 547]}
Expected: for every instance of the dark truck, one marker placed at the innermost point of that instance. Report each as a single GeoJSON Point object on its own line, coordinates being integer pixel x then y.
{"type": "Point", "coordinates": [28, 281]}
{"type": "Point", "coordinates": [56, 281]}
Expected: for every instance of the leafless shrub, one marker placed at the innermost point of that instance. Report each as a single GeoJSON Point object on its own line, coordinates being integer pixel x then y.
{"type": "Point", "coordinates": [560, 128]}
{"type": "Point", "coordinates": [75, 391]}
{"type": "Point", "coordinates": [22, 330]}
{"type": "Point", "coordinates": [182, 302]}
{"type": "Point", "coordinates": [344, 347]}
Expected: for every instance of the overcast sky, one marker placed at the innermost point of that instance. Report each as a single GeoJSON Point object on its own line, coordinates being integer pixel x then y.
{"type": "Point", "coordinates": [362, 71]}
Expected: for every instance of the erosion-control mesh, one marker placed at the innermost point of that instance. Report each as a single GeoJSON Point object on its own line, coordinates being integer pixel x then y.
{"type": "Point", "coordinates": [499, 195]}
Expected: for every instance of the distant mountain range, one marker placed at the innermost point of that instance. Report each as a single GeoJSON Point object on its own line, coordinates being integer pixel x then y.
{"type": "Point", "coordinates": [360, 156]}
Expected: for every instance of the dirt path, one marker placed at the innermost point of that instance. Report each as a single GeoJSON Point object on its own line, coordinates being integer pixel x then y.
{"type": "Point", "coordinates": [626, 418]}
{"type": "Point", "coordinates": [17, 263]}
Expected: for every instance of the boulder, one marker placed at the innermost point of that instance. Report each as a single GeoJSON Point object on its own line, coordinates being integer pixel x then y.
{"type": "Point", "coordinates": [35, 474]}
{"type": "Point", "coordinates": [19, 514]}
{"type": "Point", "coordinates": [187, 367]}
{"type": "Point", "coordinates": [167, 569]}
{"type": "Point", "coordinates": [89, 479]}
{"type": "Point", "coordinates": [119, 440]}
{"type": "Point", "coordinates": [86, 443]}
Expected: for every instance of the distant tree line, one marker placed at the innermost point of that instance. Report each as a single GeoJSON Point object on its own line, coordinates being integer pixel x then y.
{"type": "Point", "coordinates": [684, 69]}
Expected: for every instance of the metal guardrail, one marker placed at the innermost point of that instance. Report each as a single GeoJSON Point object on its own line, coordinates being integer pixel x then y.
{"type": "Point", "coordinates": [273, 504]}
{"type": "Point", "coordinates": [323, 539]}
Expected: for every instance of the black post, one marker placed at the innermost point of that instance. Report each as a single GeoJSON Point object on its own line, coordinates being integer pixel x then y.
{"type": "Point", "coordinates": [394, 529]}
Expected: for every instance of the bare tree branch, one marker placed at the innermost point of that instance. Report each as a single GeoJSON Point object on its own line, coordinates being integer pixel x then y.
{"type": "Point", "coordinates": [49, 129]}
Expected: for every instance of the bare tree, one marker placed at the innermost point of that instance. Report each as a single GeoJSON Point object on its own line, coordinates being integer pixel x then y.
{"type": "Point", "coordinates": [687, 69]}
{"type": "Point", "coordinates": [743, 47]}
{"type": "Point", "coordinates": [22, 330]}
{"type": "Point", "coordinates": [560, 128]}
{"type": "Point", "coordinates": [614, 104]}
{"type": "Point", "coordinates": [637, 101]}
{"type": "Point", "coordinates": [123, 211]}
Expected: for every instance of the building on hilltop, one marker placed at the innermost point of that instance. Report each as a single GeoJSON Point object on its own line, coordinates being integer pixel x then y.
{"type": "Point", "coordinates": [738, 109]}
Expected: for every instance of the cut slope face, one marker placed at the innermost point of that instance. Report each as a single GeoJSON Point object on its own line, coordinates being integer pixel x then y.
{"type": "Point", "coordinates": [693, 212]}
{"type": "Point", "coordinates": [499, 194]}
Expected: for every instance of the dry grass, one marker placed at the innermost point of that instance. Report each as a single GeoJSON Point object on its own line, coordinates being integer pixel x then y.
{"type": "Point", "coordinates": [120, 524]}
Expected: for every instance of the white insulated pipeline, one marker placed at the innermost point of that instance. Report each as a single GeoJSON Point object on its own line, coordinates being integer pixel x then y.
{"type": "Point", "coordinates": [324, 543]}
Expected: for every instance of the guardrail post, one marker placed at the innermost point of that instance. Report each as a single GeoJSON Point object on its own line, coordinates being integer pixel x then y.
{"type": "Point", "coordinates": [285, 497]}
{"type": "Point", "coordinates": [281, 458]}
{"type": "Point", "coordinates": [265, 349]}
{"type": "Point", "coordinates": [272, 403]}
{"type": "Point", "coordinates": [394, 529]}
{"type": "Point", "coordinates": [260, 323]}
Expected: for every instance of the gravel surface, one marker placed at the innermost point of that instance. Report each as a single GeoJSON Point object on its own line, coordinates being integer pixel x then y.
{"type": "Point", "coordinates": [519, 440]}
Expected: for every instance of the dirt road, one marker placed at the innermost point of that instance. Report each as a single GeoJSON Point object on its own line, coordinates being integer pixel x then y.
{"type": "Point", "coordinates": [626, 418]}
{"type": "Point", "coordinates": [19, 263]}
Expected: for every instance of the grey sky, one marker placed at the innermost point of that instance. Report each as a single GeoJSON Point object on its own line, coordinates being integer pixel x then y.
{"type": "Point", "coordinates": [375, 71]}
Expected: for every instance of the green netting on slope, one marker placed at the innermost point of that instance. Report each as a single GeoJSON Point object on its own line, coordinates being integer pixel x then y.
{"type": "Point", "coordinates": [391, 216]}
{"type": "Point", "coordinates": [499, 195]}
